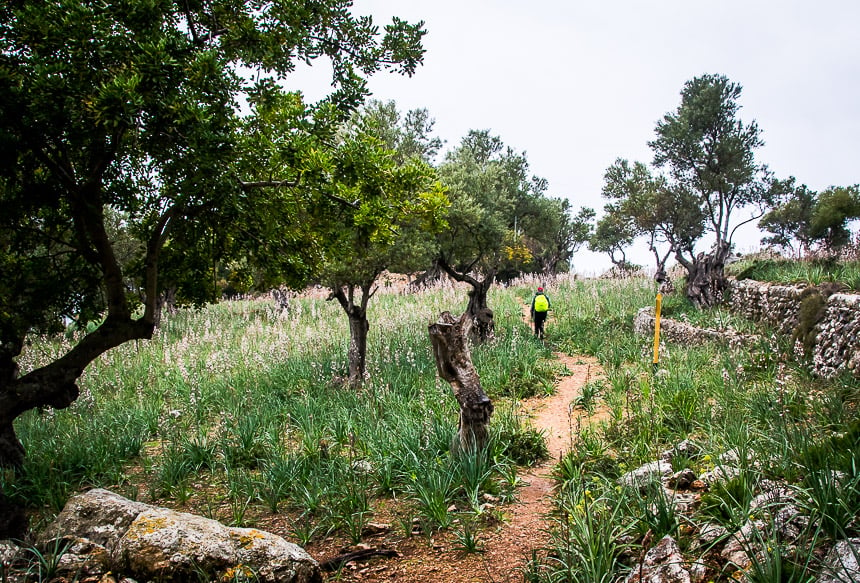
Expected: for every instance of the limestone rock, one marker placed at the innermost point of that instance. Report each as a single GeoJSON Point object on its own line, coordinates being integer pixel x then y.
{"type": "Point", "coordinates": [84, 558]}
{"type": "Point", "coordinates": [645, 475]}
{"type": "Point", "coordinates": [8, 551]}
{"type": "Point", "coordinates": [772, 498]}
{"type": "Point", "coordinates": [98, 515]}
{"type": "Point", "coordinates": [720, 474]}
{"type": "Point", "coordinates": [683, 480]}
{"type": "Point", "coordinates": [841, 563]}
{"type": "Point", "coordinates": [685, 448]}
{"type": "Point", "coordinates": [744, 544]}
{"type": "Point", "coordinates": [151, 543]}
{"type": "Point", "coordinates": [711, 533]}
{"type": "Point", "coordinates": [663, 563]}
{"type": "Point", "coordinates": [165, 542]}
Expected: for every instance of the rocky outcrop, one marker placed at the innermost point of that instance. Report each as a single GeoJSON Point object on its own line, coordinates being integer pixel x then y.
{"type": "Point", "coordinates": [107, 531]}
{"type": "Point", "coordinates": [644, 476]}
{"type": "Point", "coordinates": [774, 514]}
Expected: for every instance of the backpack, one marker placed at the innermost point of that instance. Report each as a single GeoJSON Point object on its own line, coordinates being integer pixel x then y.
{"type": "Point", "coordinates": [541, 303]}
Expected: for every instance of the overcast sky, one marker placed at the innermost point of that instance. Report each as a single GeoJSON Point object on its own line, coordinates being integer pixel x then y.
{"type": "Point", "coordinates": [576, 84]}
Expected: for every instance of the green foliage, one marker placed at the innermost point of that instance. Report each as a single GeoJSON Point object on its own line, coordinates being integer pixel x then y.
{"type": "Point", "coordinates": [500, 218]}
{"type": "Point", "coordinates": [128, 169]}
{"type": "Point", "coordinates": [643, 204]}
{"type": "Point", "coordinates": [811, 311]}
{"type": "Point", "coordinates": [328, 458]}
{"type": "Point", "coordinates": [589, 534]}
{"type": "Point", "coordinates": [727, 502]}
{"type": "Point", "coordinates": [514, 439]}
{"type": "Point", "coordinates": [833, 498]}
{"type": "Point", "coordinates": [789, 221]}
{"type": "Point", "coordinates": [45, 564]}
{"type": "Point", "coordinates": [271, 431]}
{"type": "Point", "coordinates": [409, 136]}
{"type": "Point", "coordinates": [612, 235]}
{"type": "Point", "coordinates": [656, 511]}
{"type": "Point", "coordinates": [588, 395]}
{"type": "Point", "coordinates": [776, 560]}
{"type": "Point", "coordinates": [710, 174]}
{"type": "Point", "coordinates": [810, 218]}
{"type": "Point", "coordinates": [467, 537]}
{"type": "Point", "coordinates": [834, 209]}
{"type": "Point", "coordinates": [530, 371]}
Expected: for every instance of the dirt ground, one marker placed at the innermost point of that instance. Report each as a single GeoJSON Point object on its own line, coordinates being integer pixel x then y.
{"type": "Point", "coordinates": [508, 544]}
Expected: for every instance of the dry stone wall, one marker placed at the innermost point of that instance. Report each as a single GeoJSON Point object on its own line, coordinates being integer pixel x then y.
{"type": "Point", "coordinates": [838, 340]}
{"type": "Point", "coordinates": [835, 338]}
{"type": "Point", "coordinates": [775, 305]}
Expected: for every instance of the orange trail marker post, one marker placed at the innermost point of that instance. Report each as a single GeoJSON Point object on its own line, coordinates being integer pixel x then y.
{"type": "Point", "coordinates": [657, 331]}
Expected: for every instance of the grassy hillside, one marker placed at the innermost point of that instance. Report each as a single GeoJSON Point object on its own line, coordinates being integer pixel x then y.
{"type": "Point", "coordinates": [237, 411]}
{"type": "Point", "coordinates": [788, 271]}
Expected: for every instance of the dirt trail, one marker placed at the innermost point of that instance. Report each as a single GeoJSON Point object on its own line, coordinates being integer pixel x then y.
{"type": "Point", "coordinates": [507, 546]}
{"type": "Point", "coordinates": [526, 529]}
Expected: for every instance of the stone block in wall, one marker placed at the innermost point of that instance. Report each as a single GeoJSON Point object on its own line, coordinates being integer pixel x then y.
{"type": "Point", "coordinates": [837, 345]}
{"type": "Point", "coordinates": [837, 341]}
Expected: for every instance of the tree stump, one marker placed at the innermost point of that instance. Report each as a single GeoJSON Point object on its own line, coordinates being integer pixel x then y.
{"type": "Point", "coordinates": [448, 335]}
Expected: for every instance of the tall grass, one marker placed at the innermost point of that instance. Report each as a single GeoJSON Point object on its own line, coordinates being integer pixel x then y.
{"type": "Point", "coordinates": [812, 271]}
{"type": "Point", "coordinates": [239, 410]}
{"type": "Point", "coordinates": [752, 412]}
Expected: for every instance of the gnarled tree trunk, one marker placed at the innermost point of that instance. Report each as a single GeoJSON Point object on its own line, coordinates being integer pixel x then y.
{"type": "Point", "coordinates": [706, 277]}
{"type": "Point", "coordinates": [53, 385]}
{"type": "Point", "coordinates": [483, 325]}
{"type": "Point", "coordinates": [454, 364]}
{"type": "Point", "coordinates": [427, 278]}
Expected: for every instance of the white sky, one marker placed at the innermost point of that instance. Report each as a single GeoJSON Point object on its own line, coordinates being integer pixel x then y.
{"type": "Point", "coordinates": [578, 84]}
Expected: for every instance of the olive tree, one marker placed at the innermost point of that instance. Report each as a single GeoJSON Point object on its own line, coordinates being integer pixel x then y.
{"type": "Point", "coordinates": [709, 155]}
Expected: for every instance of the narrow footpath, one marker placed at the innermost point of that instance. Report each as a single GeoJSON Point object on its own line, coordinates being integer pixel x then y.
{"type": "Point", "coordinates": [525, 529]}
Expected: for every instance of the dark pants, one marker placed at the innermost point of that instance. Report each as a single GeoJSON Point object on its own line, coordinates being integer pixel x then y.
{"type": "Point", "coordinates": [540, 318]}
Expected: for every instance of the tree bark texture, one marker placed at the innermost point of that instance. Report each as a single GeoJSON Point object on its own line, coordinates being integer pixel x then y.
{"type": "Point", "coordinates": [454, 364]}
{"type": "Point", "coordinates": [355, 306]}
{"type": "Point", "coordinates": [706, 278]}
{"type": "Point", "coordinates": [358, 328]}
{"type": "Point", "coordinates": [483, 325]}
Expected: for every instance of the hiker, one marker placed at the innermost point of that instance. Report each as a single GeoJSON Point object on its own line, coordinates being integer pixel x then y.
{"type": "Point", "coordinates": [540, 307]}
